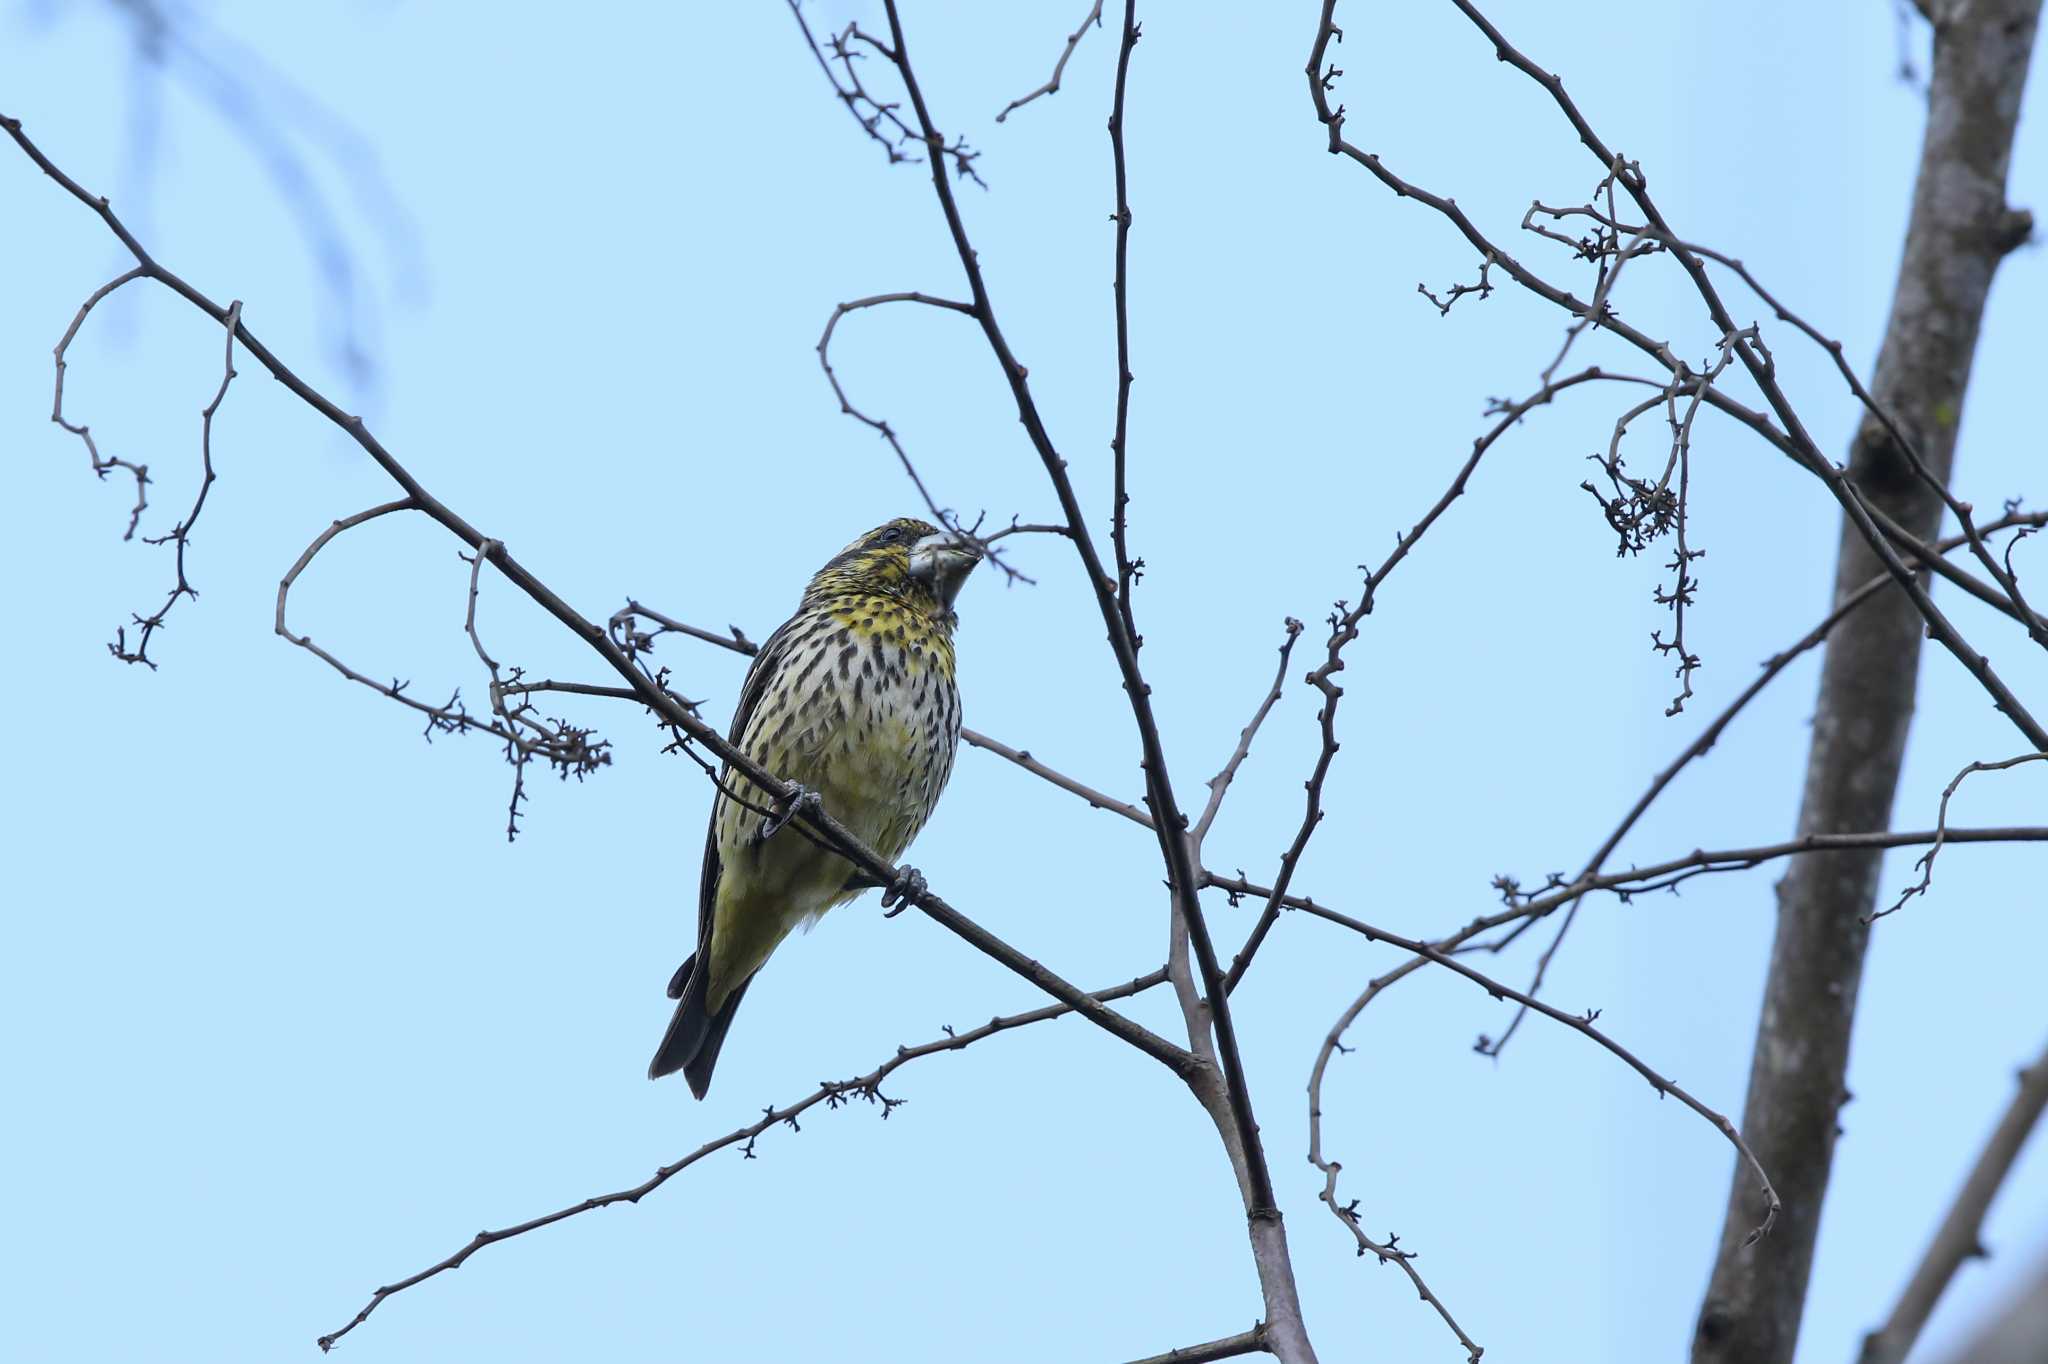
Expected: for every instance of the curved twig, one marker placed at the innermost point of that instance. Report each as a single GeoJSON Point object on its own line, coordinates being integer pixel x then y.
{"type": "Point", "coordinates": [101, 465]}
{"type": "Point", "coordinates": [945, 516]}
{"type": "Point", "coordinates": [1942, 833]}
{"type": "Point", "coordinates": [1052, 84]}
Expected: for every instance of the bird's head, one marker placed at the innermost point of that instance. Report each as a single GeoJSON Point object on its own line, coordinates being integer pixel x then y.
{"type": "Point", "coordinates": [907, 559]}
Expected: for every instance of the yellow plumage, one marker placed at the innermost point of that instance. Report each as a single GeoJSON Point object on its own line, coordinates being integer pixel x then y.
{"type": "Point", "coordinates": [853, 698]}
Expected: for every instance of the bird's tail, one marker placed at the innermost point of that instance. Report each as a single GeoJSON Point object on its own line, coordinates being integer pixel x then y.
{"type": "Point", "coordinates": [695, 1034]}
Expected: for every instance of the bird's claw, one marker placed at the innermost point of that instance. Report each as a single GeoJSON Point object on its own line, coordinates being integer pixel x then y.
{"type": "Point", "coordinates": [803, 798]}
{"type": "Point", "coordinates": [898, 894]}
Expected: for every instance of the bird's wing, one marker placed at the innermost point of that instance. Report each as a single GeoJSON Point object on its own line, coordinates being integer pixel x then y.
{"type": "Point", "coordinates": [766, 661]}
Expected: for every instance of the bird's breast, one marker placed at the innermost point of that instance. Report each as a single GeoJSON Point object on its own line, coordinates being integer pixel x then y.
{"type": "Point", "coordinates": [871, 721]}
{"type": "Point", "coordinates": [895, 733]}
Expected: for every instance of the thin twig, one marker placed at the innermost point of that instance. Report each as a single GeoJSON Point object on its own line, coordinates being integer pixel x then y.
{"type": "Point", "coordinates": [101, 466]}
{"type": "Point", "coordinates": [1763, 373]}
{"type": "Point", "coordinates": [1704, 743]}
{"type": "Point", "coordinates": [1128, 570]}
{"type": "Point", "coordinates": [1963, 511]}
{"type": "Point", "coordinates": [1052, 86]}
{"type": "Point", "coordinates": [567, 747]}
{"type": "Point", "coordinates": [451, 718]}
{"type": "Point", "coordinates": [832, 1094]}
{"type": "Point", "coordinates": [1015, 528]}
{"type": "Point", "coordinates": [1219, 785]}
{"type": "Point", "coordinates": [1344, 627]}
{"type": "Point", "coordinates": [872, 114]}
{"type": "Point", "coordinates": [1482, 287]}
{"type": "Point", "coordinates": [2013, 602]}
{"type": "Point", "coordinates": [180, 535]}
{"type": "Point", "coordinates": [1671, 872]}
{"type": "Point", "coordinates": [1096, 799]}
{"type": "Point", "coordinates": [1792, 439]}
{"type": "Point", "coordinates": [1942, 835]}
{"type": "Point", "coordinates": [1580, 1023]}
{"type": "Point", "coordinates": [735, 639]}
{"type": "Point", "coordinates": [1159, 788]}
{"type": "Point", "coordinates": [945, 516]}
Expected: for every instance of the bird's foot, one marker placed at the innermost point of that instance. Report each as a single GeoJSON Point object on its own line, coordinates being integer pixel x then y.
{"type": "Point", "coordinates": [897, 895]}
{"type": "Point", "coordinates": [802, 798]}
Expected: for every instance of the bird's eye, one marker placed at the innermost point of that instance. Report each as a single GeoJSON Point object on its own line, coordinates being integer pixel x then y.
{"type": "Point", "coordinates": [891, 536]}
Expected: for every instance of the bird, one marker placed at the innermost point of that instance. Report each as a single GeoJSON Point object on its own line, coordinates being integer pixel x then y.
{"type": "Point", "coordinates": [854, 699]}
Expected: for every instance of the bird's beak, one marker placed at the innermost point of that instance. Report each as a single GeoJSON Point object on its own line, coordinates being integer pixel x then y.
{"type": "Point", "coordinates": [942, 562]}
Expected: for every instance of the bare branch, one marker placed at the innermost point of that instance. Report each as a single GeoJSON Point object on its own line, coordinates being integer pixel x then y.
{"type": "Point", "coordinates": [1792, 439]}
{"type": "Point", "coordinates": [1763, 373]}
{"type": "Point", "coordinates": [1096, 799]}
{"type": "Point", "coordinates": [1753, 1307]}
{"type": "Point", "coordinates": [735, 639]}
{"type": "Point", "coordinates": [1704, 743]}
{"type": "Point", "coordinates": [880, 121]}
{"type": "Point", "coordinates": [1639, 508]}
{"type": "Point", "coordinates": [1015, 529]}
{"type": "Point", "coordinates": [452, 718]}
{"type": "Point", "coordinates": [1252, 1342]}
{"type": "Point", "coordinates": [180, 535]}
{"type": "Point", "coordinates": [1482, 287]}
{"type": "Point", "coordinates": [1941, 830]}
{"type": "Point", "coordinates": [2017, 227]}
{"type": "Point", "coordinates": [100, 466]}
{"type": "Point", "coordinates": [575, 688]}
{"type": "Point", "coordinates": [1236, 1121]}
{"type": "Point", "coordinates": [1905, 445]}
{"type": "Point", "coordinates": [567, 747]}
{"type": "Point", "coordinates": [1344, 625]}
{"type": "Point", "coordinates": [1128, 570]}
{"type": "Point", "coordinates": [1579, 1023]}
{"type": "Point", "coordinates": [945, 516]}
{"type": "Point", "coordinates": [1957, 233]}
{"type": "Point", "coordinates": [1165, 809]}
{"type": "Point", "coordinates": [835, 1094]}
{"type": "Point", "coordinates": [1663, 875]}
{"type": "Point", "coordinates": [1959, 1238]}
{"type": "Point", "coordinates": [570, 749]}
{"type": "Point", "coordinates": [1052, 87]}
{"type": "Point", "coordinates": [1219, 785]}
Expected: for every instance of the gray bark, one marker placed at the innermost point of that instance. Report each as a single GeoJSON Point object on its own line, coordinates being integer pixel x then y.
{"type": "Point", "coordinates": [1959, 231]}
{"type": "Point", "coordinates": [2018, 1334]}
{"type": "Point", "coordinates": [1960, 1236]}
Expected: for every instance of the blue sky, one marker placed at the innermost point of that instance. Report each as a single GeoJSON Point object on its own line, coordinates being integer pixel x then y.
{"type": "Point", "coordinates": [290, 1018]}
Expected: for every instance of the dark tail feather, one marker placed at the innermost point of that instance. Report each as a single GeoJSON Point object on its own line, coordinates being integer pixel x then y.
{"type": "Point", "coordinates": [694, 1035]}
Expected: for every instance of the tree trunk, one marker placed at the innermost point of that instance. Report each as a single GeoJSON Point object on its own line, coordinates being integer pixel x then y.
{"type": "Point", "coordinates": [1959, 231]}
